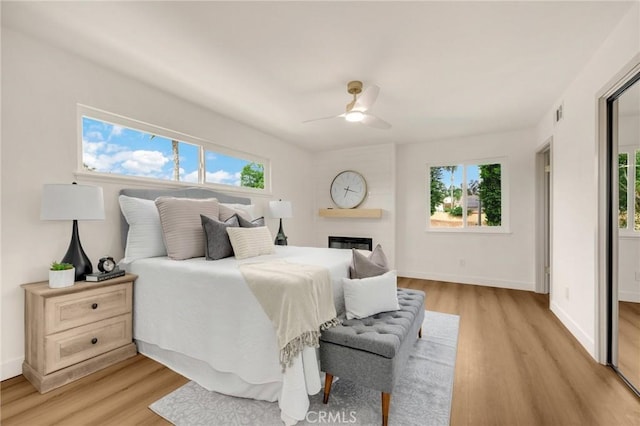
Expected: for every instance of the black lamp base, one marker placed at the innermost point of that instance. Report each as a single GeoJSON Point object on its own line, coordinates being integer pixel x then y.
{"type": "Point", "coordinates": [76, 255]}
{"type": "Point", "coordinates": [281, 239]}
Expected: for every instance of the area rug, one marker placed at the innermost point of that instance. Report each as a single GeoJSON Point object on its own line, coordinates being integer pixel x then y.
{"type": "Point", "coordinates": [421, 397]}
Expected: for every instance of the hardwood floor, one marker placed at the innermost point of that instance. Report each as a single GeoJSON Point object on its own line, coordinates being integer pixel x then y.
{"type": "Point", "coordinates": [629, 341]}
{"type": "Point", "coordinates": [516, 365]}
{"type": "Point", "coordinates": [117, 395]}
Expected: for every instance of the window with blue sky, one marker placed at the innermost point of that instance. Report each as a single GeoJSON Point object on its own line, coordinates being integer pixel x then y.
{"type": "Point", "coordinates": [116, 149]}
{"type": "Point", "coordinates": [466, 196]}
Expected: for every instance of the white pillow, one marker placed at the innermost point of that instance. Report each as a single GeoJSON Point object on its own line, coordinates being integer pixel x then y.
{"type": "Point", "coordinates": [369, 296]}
{"type": "Point", "coordinates": [248, 211]}
{"type": "Point", "coordinates": [251, 242]}
{"type": "Point", "coordinates": [144, 238]}
{"type": "Point", "coordinates": [225, 213]}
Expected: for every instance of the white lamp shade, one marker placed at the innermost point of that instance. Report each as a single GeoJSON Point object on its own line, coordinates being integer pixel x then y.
{"type": "Point", "coordinates": [72, 202]}
{"type": "Point", "coordinates": [280, 209]}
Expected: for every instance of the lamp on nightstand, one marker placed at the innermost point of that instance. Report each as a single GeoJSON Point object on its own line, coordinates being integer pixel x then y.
{"type": "Point", "coordinates": [73, 202]}
{"type": "Point", "coordinates": [280, 210]}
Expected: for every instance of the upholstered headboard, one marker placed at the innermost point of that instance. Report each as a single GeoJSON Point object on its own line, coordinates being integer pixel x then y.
{"type": "Point", "coordinates": [152, 194]}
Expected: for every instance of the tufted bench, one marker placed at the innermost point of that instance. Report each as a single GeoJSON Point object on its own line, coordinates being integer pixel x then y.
{"type": "Point", "coordinates": [372, 351]}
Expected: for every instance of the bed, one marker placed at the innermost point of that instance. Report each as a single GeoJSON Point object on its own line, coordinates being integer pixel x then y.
{"type": "Point", "coordinates": [199, 318]}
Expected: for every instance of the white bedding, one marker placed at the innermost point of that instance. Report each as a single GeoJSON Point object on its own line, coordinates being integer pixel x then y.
{"type": "Point", "coordinates": [204, 311]}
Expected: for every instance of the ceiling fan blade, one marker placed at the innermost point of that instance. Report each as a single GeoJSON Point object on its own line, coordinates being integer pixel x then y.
{"type": "Point", "coordinates": [323, 118]}
{"type": "Point", "coordinates": [373, 121]}
{"type": "Point", "coordinates": [366, 99]}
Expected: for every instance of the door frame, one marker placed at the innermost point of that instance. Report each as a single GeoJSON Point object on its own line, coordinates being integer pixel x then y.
{"type": "Point", "coordinates": [544, 218]}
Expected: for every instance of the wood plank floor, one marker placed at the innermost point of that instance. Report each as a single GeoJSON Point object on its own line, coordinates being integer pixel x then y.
{"type": "Point", "coordinates": [516, 365]}
{"type": "Point", "coordinates": [629, 341]}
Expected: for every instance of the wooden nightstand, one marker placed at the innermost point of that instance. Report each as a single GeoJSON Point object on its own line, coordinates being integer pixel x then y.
{"type": "Point", "coordinates": [74, 331]}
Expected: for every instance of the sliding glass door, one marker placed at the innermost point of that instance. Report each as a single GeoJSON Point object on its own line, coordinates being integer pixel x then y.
{"type": "Point", "coordinates": [623, 127]}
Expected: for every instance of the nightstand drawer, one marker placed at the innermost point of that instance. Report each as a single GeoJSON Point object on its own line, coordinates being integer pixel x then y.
{"type": "Point", "coordinates": [75, 309]}
{"type": "Point", "coordinates": [81, 343]}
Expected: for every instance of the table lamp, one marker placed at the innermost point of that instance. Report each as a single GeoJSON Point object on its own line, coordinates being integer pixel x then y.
{"type": "Point", "coordinates": [73, 202]}
{"type": "Point", "coordinates": [280, 210]}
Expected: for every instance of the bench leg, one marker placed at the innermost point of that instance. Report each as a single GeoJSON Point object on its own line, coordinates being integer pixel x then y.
{"type": "Point", "coordinates": [386, 401]}
{"type": "Point", "coordinates": [328, 379]}
{"type": "Point", "coordinates": [420, 333]}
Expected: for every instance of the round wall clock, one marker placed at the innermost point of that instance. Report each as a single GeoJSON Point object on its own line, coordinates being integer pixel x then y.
{"type": "Point", "coordinates": [348, 189]}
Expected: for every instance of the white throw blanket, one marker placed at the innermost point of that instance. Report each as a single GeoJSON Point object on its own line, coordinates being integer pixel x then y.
{"type": "Point", "coordinates": [298, 299]}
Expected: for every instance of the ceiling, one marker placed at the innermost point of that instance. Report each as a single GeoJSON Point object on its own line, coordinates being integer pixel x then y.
{"type": "Point", "coordinates": [445, 68]}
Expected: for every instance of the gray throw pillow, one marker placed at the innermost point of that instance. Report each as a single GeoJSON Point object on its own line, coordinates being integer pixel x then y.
{"type": "Point", "coordinates": [368, 266]}
{"type": "Point", "coordinates": [244, 223]}
{"type": "Point", "coordinates": [216, 240]}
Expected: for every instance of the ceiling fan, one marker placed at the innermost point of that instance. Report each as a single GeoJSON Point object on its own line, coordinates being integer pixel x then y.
{"type": "Point", "coordinates": [357, 110]}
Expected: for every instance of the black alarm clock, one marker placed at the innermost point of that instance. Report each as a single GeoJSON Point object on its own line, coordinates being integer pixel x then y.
{"type": "Point", "coordinates": [106, 264]}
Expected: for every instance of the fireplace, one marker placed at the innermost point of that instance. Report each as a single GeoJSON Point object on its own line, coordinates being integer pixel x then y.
{"type": "Point", "coordinates": [351, 242]}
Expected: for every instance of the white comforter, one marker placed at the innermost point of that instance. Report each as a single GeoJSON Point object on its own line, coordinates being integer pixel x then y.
{"type": "Point", "coordinates": [203, 310]}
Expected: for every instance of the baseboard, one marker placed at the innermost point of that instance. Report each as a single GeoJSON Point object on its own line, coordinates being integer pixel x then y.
{"type": "Point", "coordinates": [12, 368]}
{"type": "Point", "coordinates": [487, 282]}
{"type": "Point", "coordinates": [583, 338]}
{"type": "Point", "coordinates": [629, 296]}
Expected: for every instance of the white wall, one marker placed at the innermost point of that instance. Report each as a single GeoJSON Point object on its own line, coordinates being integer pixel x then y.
{"type": "Point", "coordinates": [377, 164]}
{"type": "Point", "coordinates": [498, 260]}
{"type": "Point", "coordinates": [575, 196]}
{"type": "Point", "coordinates": [41, 87]}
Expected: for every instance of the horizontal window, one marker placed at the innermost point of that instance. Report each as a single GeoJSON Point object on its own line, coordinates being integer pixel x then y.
{"type": "Point", "coordinates": [119, 146]}
{"type": "Point", "coordinates": [467, 196]}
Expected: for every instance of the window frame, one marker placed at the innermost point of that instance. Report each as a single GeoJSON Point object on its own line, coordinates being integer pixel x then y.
{"type": "Point", "coordinates": [202, 144]}
{"type": "Point", "coordinates": [504, 228]}
{"type": "Point", "coordinates": [629, 231]}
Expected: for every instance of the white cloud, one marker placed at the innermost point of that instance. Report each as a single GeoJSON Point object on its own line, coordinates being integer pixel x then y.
{"type": "Point", "coordinates": [94, 136]}
{"type": "Point", "coordinates": [111, 158]}
{"type": "Point", "coordinates": [189, 177]}
{"type": "Point", "coordinates": [112, 147]}
{"type": "Point", "coordinates": [222, 176]}
{"type": "Point", "coordinates": [115, 131]}
{"type": "Point", "coordinates": [92, 147]}
{"type": "Point", "coordinates": [142, 161]}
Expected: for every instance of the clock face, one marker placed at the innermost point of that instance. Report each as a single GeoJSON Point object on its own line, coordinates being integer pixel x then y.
{"type": "Point", "coordinates": [106, 264]}
{"type": "Point", "coordinates": [348, 189]}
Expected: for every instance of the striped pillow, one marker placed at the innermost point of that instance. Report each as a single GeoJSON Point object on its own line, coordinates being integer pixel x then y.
{"type": "Point", "coordinates": [181, 225]}
{"type": "Point", "coordinates": [251, 242]}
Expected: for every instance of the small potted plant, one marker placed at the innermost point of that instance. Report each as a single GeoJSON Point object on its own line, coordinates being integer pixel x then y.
{"type": "Point", "coordinates": [61, 275]}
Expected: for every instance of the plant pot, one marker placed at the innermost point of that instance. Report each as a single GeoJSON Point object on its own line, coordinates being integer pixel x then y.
{"type": "Point", "coordinates": [60, 279]}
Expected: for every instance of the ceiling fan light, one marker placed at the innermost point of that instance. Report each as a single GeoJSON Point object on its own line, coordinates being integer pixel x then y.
{"type": "Point", "coordinates": [354, 116]}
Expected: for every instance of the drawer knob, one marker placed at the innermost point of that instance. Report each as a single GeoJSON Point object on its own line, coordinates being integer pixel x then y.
{"type": "Point", "coordinates": [94, 306]}
{"type": "Point", "coordinates": [94, 340]}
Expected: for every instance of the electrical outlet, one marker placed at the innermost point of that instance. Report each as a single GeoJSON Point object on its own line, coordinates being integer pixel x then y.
{"type": "Point", "coordinates": [566, 292]}
{"type": "Point", "coordinates": [463, 263]}
{"type": "Point", "coordinates": [638, 276]}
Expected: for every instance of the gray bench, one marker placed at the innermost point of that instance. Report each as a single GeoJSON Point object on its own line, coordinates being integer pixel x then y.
{"type": "Point", "coordinates": [372, 351]}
